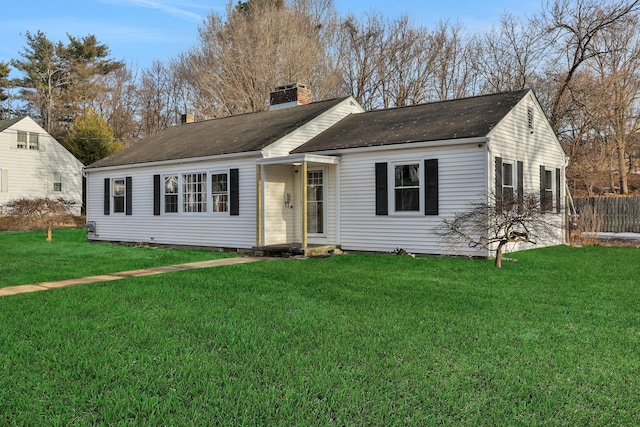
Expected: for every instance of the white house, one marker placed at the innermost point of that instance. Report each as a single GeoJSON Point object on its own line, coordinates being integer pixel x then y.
{"type": "Point", "coordinates": [33, 165]}
{"type": "Point", "coordinates": [326, 174]}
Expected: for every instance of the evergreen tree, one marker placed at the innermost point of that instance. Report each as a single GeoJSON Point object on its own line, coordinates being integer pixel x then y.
{"type": "Point", "coordinates": [91, 139]}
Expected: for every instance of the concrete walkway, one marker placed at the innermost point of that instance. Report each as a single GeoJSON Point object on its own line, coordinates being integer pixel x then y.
{"type": "Point", "coordinates": [43, 286]}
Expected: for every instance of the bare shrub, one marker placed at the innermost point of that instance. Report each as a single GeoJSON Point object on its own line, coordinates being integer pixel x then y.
{"type": "Point", "coordinates": [38, 214]}
{"type": "Point", "coordinates": [585, 226]}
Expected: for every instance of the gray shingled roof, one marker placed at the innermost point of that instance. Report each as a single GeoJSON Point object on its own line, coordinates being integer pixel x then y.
{"type": "Point", "coordinates": [459, 118]}
{"type": "Point", "coordinates": [5, 124]}
{"type": "Point", "coordinates": [228, 135]}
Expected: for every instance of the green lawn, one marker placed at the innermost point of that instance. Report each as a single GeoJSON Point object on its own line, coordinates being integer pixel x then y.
{"type": "Point", "coordinates": [349, 340]}
{"type": "Point", "coordinates": [26, 257]}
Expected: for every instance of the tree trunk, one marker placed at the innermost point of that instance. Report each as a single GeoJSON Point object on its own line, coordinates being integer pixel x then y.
{"type": "Point", "coordinates": [622, 169]}
{"type": "Point", "coordinates": [498, 261]}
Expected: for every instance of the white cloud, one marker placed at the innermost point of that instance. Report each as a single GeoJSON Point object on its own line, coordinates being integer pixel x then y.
{"type": "Point", "coordinates": [178, 9]}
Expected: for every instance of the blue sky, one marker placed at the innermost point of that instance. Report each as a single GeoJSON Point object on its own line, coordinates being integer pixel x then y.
{"type": "Point", "coordinates": [141, 31]}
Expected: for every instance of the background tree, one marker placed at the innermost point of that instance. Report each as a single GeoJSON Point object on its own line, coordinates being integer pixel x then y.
{"type": "Point", "coordinates": [60, 80]}
{"type": "Point", "coordinates": [119, 104]}
{"type": "Point", "coordinates": [571, 28]}
{"type": "Point", "coordinates": [508, 56]}
{"type": "Point", "coordinates": [496, 222]}
{"type": "Point", "coordinates": [5, 84]}
{"type": "Point", "coordinates": [240, 59]}
{"type": "Point", "coordinates": [43, 75]}
{"type": "Point", "coordinates": [91, 138]}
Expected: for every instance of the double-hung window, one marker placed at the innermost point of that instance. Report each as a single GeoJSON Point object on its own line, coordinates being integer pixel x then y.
{"type": "Point", "coordinates": [194, 192]}
{"type": "Point", "coordinates": [407, 187]}
{"type": "Point", "coordinates": [34, 141]}
{"type": "Point", "coordinates": [22, 140]}
{"type": "Point", "coordinates": [57, 182]}
{"type": "Point", "coordinates": [546, 189]}
{"type": "Point", "coordinates": [220, 192]}
{"type": "Point", "coordinates": [171, 194]}
{"type": "Point", "coordinates": [507, 186]}
{"type": "Point", "coordinates": [118, 195]}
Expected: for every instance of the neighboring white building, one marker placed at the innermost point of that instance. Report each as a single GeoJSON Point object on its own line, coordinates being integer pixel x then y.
{"type": "Point", "coordinates": [328, 174]}
{"type": "Point", "coordinates": [33, 165]}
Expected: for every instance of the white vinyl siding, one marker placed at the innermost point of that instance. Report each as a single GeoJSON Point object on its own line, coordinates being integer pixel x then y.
{"type": "Point", "coordinates": [30, 173]}
{"type": "Point", "coordinates": [462, 177]}
{"type": "Point", "coordinates": [303, 134]}
{"type": "Point", "coordinates": [524, 135]}
{"type": "Point", "coordinates": [204, 229]}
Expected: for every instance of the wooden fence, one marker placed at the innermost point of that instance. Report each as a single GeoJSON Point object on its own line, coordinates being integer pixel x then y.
{"type": "Point", "coordinates": [618, 214]}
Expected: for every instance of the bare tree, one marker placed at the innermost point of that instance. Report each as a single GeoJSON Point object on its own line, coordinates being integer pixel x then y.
{"type": "Point", "coordinates": [571, 28]}
{"type": "Point", "coordinates": [454, 75]}
{"type": "Point", "coordinates": [260, 45]}
{"type": "Point", "coordinates": [508, 57]}
{"type": "Point", "coordinates": [617, 73]}
{"type": "Point", "coordinates": [493, 223]}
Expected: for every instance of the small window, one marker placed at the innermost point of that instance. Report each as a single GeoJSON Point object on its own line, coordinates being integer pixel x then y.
{"type": "Point", "coordinates": [57, 181]}
{"type": "Point", "coordinates": [530, 119]}
{"type": "Point", "coordinates": [22, 140]}
{"type": "Point", "coordinates": [194, 191]}
{"type": "Point", "coordinates": [118, 195]}
{"type": "Point", "coordinates": [547, 197]}
{"type": "Point", "coordinates": [34, 141]}
{"type": "Point", "coordinates": [507, 186]}
{"type": "Point", "coordinates": [220, 192]}
{"type": "Point", "coordinates": [407, 188]}
{"type": "Point", "coordinates": [171, 194]}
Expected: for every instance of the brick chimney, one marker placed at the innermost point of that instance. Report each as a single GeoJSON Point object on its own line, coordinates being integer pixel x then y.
{"type": "Point", "coordinates": [289, 96]}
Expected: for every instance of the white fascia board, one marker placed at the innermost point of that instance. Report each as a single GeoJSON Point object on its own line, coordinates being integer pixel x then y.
{"type": "Point", "coordinates": [407, 145]}
{"type": "Point", "coordinates": [176, 161]}
{"type": "Point", "coordinates": [299, 158]}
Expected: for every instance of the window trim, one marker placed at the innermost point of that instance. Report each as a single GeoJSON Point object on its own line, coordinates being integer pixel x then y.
{"type": "Point", "coordinates": [123, 196]}
{"type": "Point", "coordinates": [547, 189]}
{"type": "Point", "coordinates": [419, 162]}
{"type": "Point", "coordinates": [325, 206]}
{"type": "Point", "coordinates": [60, 182]}
{"type": "Point", "coordinates": [25, 144]}
{"type": "Point", "coordinates": [227, 193]}
{"type": "Point", "coordinates": [34, 145]}
{"type": "Point", "coordinates": [182, 193]}
{"type": "Point", "coordinates": [163, 193]}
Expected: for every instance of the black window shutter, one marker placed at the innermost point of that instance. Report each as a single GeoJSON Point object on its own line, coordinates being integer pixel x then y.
{"type": "Point", "coordinates": [234, 192]}
{"type": "Point", "coordinates": [543, 188]}
{"type": "Point", "coordinates": [558, 192]}
{"type": "Point", "coordinates": [498, 190]}
{"type": "Point", "coordinates": [156, 195]}
{"type": "Point", "coordinates": [128, 194]}
{"type": "Point", "coordinates": [520, 177]}
{"type": "Point", "coordinates": [107, 196]}
{"type": "Point", "coordinates": [431, 197]}
{"type": "Point", "coordinates": [382, 195]}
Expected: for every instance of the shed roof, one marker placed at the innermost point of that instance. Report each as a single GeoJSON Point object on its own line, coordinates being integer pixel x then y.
{"type": "Point", "coordinates": [445, 120]}
{"type": "Point", "coordinates": [228, 135]}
